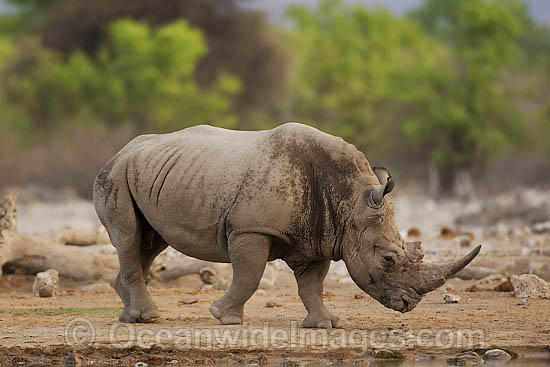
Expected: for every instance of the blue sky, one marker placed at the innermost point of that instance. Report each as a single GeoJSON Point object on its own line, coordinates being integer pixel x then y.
{"type": "Point", "coordinates": [539, 9]}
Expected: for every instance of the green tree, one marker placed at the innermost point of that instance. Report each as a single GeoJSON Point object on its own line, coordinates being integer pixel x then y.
{"type": "Point", "coordinates": [142, 76]}
{"type": "Point", "coordinates": [240, 42]}
{"type": "Point", "coordinates": [475, 118]}
{"type": "Point", "coordinates": [385, 83]}
{"type": "Point", "coordinates": [361, 73]}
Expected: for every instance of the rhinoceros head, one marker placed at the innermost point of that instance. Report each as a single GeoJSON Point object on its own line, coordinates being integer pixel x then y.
{"type": "Point", "coordinates": [378, 259]}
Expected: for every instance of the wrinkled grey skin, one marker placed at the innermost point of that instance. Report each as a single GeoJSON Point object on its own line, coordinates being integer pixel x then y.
{"type": "Point", "coordinates": [291, 193]}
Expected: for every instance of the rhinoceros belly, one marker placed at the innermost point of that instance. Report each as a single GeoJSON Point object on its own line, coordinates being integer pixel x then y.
{"type": "Point", "coordinates": [185, 184]}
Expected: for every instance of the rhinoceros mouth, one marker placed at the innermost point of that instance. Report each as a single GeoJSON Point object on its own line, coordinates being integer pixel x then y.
{"type": "Point", "coordinates": [404, 302]}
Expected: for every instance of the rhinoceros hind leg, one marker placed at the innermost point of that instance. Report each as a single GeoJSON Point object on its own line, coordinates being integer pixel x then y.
{"type": "Point", "coordinates": [147, 257]}
{"type": "Point", "coordinates": [248, 253]}
{"type": "Point", "coordinates": [123, 223]}
{"type": "Point", "coordinates": [130, 285]}
{"type": "Point", "coordinates": [309, 277]}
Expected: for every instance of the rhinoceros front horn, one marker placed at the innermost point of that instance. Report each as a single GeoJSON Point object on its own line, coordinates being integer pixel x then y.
{"type": "Point", "coordinates": [376, 196]}
{"type": "Point", "coordinates": [432, 276]}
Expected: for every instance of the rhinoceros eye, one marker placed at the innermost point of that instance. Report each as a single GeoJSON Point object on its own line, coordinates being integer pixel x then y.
{"type": "Point", "coordinates": [388, 261]}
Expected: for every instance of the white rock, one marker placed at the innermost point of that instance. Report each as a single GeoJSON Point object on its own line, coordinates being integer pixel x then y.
{"type": "Point", "coordinates": [540, 228]}
{"type": "Point", "coordinates": [496, 355]}
{"type": "Point", "coordinates": [522, 302]}
{"type": "Point", "coordinates": [451, 298]}
{"type": "Point", "coordinates": [530, 286]}
{"type": "Point", "coordinates": [463, 241]}
{"type": "Point", "coordinates": [46, 283]}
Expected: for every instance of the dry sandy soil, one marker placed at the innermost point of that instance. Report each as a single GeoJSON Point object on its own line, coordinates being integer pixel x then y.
{"type": "Point", "coordinates": [82, 326]}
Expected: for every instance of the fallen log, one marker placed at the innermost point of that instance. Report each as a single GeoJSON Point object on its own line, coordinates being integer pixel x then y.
{"type": "Point", "coordinates": [167, 268]}
{"type": "Point", "coordinates": [36, 254]}
{"type": "Point", "coordinates": [71, 237]}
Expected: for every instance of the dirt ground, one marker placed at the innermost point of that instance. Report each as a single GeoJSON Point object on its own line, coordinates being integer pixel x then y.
{"type": "Point", "coordinates": [81, 327]}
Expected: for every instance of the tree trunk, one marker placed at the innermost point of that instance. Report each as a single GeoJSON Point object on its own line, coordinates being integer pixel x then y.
{"type": "Point", "coordinates": [447, 181]}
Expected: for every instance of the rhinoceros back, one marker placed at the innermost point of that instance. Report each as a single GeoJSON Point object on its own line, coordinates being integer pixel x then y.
{"type": "Point", "coordinates": [197, 186]}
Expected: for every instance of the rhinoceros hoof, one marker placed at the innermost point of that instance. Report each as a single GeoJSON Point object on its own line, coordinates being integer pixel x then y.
{"type": "Point", "coordinates": [137, 315]}
{"type": "Point", "coordinates": [226, 317]}
{"type": "Point", "coordinates": [319, 321]}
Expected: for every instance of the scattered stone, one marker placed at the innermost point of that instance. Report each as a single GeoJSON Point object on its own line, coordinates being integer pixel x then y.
{"type": "Point", "coordinates": [413, 232]}
{"type": "Point", "coordinates": [208, 275]}
{"type": "Point", "coordinates": [505, 286]}
{"type": "Point", "coordinates": [451, 298]}
{"type": "Point", "coordinates": [260, 292]}
{"type": "Point", "coordinates": [463, 241]}
{"type": "Point", "coordinates": [474, 273]}
{"type": "Point", "coordinates": [141, 364]}
{"type": "Point", "coordinates": [522, 302]}
{"type": "Point", "coordinates": [271, 304]}
{"type": "Point", "coordinates": [540, 228]}
{"type": "Point", "coordinates": [530, 286]}
{"type": "Point", "coordinates": [448, 233]}
{"type": "Point", "coordinates": [359, 296]}
{"type": "Point", "coordinates": [496, 355]}
{"type": "Point", "coordinates": [465, 359]}
{"type": "Point", "coordinates": [189, 301]}
{"type": "Point", "coordinates": [473, 288]}
{"type": "Point", "coordinates": [281, 313]}
{"type": "Point", "coordinates": [46, 283]}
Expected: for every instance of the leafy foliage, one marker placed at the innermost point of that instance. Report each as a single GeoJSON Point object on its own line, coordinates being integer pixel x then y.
{"type": "Point", "coordinates": [140, 75]}
{"type": "Point", "coordinates": [375, 78]}
{"type": "Point", "coordinates": [360, 70]}
{"type": "Point", "coordinates": [239, 42]}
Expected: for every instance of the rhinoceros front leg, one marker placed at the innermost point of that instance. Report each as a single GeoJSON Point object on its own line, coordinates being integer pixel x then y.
{"type": "Point", "coordinates": [309, 277]}
{"type": "Point", "coordinates": [248, 254]}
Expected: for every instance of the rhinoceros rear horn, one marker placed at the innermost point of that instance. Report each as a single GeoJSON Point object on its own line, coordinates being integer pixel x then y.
{"type": "Point", "coordinates": [432, 276]}
{"type": "Point", "coordinates": [376, 196]}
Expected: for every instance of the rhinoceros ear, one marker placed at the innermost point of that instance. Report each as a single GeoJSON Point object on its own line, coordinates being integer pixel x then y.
{"type": "Point", "coordinates": [376, 196]}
